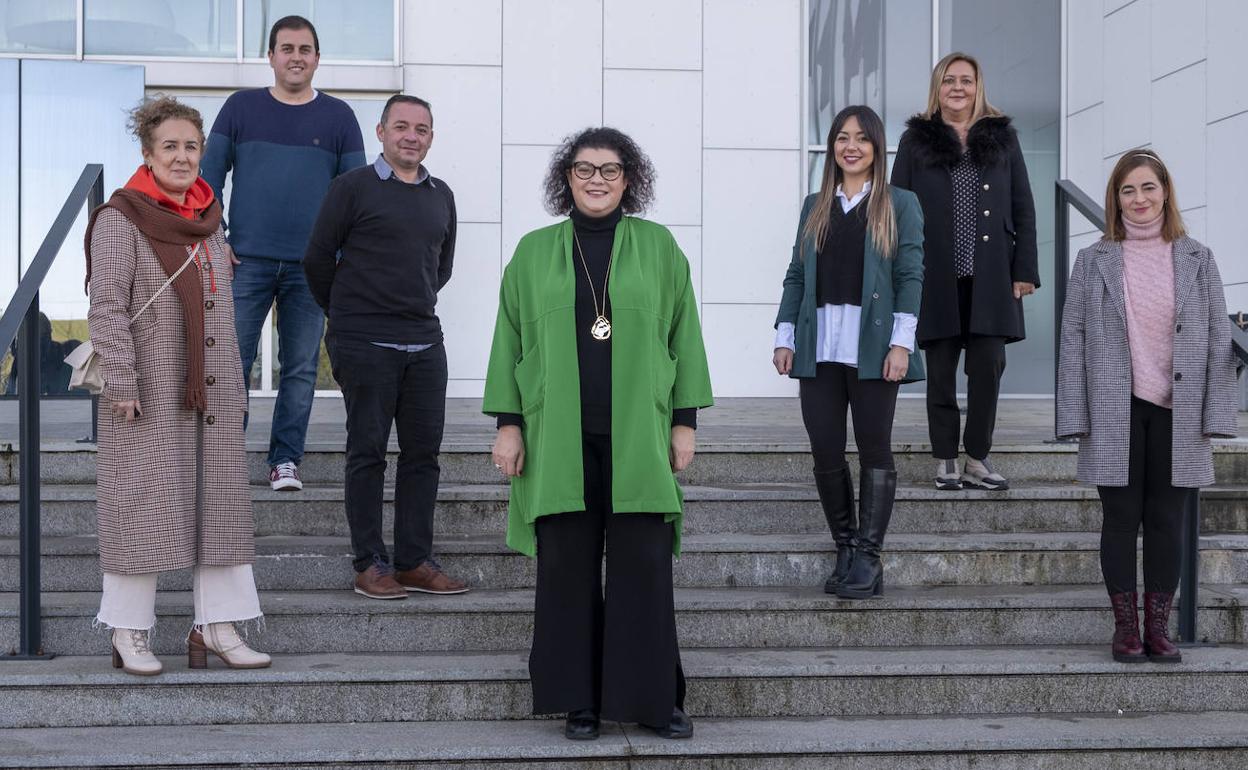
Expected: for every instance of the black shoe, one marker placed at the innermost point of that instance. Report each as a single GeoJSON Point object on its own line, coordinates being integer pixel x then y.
{"type": "Point", "coordinates": [836, 496]}
{"type": "Point", "coordinates": [680, 727]}
{"type": "Point", "coordinates": [866, 574]}
{"type": "Point", "coordinates": [581, 725]}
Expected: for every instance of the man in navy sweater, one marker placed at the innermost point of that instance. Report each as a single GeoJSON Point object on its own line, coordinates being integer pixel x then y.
{"type": "Point", "coordinates": [382, 247]}
{"type": "Point", "coordinates": [284, 144]}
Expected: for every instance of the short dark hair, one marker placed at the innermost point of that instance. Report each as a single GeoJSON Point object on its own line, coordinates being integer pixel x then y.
{"type": "Point", "coordinates": [405, 99]}
{"type": "Point", "coordinates": [295, 23]}
{"type": "Point", "coordinates": [638, 171]}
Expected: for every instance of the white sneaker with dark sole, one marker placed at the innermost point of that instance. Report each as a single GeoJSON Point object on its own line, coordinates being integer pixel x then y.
{"type": "Point", "coordinates": [980, 475]}
{"type": "Point", "coordinates": [284, 477]}
{"type": "Point", "coordinates": [947, 478]}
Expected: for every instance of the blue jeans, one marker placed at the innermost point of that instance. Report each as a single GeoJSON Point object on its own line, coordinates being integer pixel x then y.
{"type": "Point", "coordinates": [258, 281]}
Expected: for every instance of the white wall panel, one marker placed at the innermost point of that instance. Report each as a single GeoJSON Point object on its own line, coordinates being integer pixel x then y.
{"type": "Point", "coordinates": [752, 73]}
{"type": "Point", "coordinates": [524, 168]}
{"type": "Point", "coordinates": [1178, 37]}
{"type": "Point", "coordinates": [467, 136]}
{"type": "Point", "coordinates": [1128, 82]}
{"type": "Point", "coordinates": [690, 241]}
{"type": "Point", "coordinates": [747, 238]}
{"type": "Point", "coordinates": [1085, 36]}
{"type": "Point", "coordinates": [461, 32]}
{"type": "Point", "coordinates": [739, 341]}
{"type": "Point", "coordinates": [1178, 107]}
{"type": "Point", "coordinates": [1196, 223]}
{"type": "Point", "coordinates": [1226, 225]}
{"type": "Point", "coordinates": [1227, 37]}
{"type": "Point", "coordinates": [552, 69]}
{"type": "Point", "coordinates": [1109, 5]}
{"type": "Point", "coordinates": [653, 34]}
{"type": "Point", "coordinates": [1236, 298]}
{"type": "Point", "coordinates": [467, 305]}
{"type": "Point", "coordinates": [1084, 135]}
{"type": "Point", "coordinates": [662, 111]}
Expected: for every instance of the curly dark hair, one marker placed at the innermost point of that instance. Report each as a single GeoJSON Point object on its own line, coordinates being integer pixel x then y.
{"type": "Point", "coordinates": [638, 170]}
{"type": "Point", "coordinates": [152, 111]}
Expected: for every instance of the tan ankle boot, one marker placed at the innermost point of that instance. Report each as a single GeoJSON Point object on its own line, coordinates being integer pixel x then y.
{"type": "Point", "coordinates": [223, 640]}
{"type": "Point", "coordinates": [132, 652]}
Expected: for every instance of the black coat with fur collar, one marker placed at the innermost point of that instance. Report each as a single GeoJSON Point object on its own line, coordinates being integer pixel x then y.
{"type": "Point", "coordinates": [1005, 241]}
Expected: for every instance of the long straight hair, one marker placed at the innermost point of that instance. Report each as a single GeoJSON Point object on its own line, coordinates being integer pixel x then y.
{"type": "Point", "coordinates": [982, 107]}
{"type": "Point", "coordinates": [1172, 222]}
{"type": "Point", "coordinates": [881, 222]}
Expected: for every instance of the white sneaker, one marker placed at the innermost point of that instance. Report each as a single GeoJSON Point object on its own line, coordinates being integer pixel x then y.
{"type": "Point", "coordinates": [284, 477]}
{"type": "Point", "coordinates": [981, 475]}
{"type": "Point", "coordinates": [132, 652]}
{"type": "Point", "coordinates": [947, 477]}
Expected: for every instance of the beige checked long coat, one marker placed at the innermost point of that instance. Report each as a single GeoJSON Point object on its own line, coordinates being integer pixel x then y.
{"type": "Point", "coordinates": [171, 486]}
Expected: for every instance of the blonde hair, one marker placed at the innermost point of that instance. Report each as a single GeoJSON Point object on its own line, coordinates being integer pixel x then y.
{"type": "Point", "coordinates": [982, 108]}
{"type": "Point", "coordinates": [881, 221]}
{"type": "Point", "coordinates": [1172, 221]}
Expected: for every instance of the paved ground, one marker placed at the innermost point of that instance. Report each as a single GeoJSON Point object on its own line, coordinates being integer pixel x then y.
{"type": "Point", "coordinates": [751, 421]}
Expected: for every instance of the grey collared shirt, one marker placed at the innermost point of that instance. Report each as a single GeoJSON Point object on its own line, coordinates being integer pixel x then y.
{"type": "Point", "coordinates": [385, 171]}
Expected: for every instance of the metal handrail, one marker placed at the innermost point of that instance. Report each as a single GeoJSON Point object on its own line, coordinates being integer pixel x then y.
{"type": "Point", "coordinates": [1068, 196]}
{"type": "Point", "coordinates": [21, 321]}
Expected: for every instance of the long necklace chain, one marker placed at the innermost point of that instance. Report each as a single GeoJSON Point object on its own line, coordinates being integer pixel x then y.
{"type": "Point", "coordinates": [601, 328]}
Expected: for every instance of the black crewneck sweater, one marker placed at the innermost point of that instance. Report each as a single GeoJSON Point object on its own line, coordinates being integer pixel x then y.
{"type": "Point", "coordinates": [595, 237]}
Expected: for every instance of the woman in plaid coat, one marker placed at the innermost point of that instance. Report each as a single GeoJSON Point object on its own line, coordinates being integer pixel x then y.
{"type": "Point", "coordinates": [1146, 379]}
{"type": "Point", "coordinates": [171, 481]}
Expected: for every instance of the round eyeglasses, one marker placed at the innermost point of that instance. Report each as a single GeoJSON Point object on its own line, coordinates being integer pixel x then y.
{"type": "Point", "coordinates": [609, 171]}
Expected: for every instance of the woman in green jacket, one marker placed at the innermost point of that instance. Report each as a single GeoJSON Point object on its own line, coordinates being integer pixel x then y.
{"type": "Point", "coordinates": [596, 374]}
{"type": "Point", "coordinates": [846, 330]}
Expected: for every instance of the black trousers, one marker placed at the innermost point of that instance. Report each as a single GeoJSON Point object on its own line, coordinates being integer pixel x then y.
{"type": "Point", "coordinates": [380, 387]}
{"type": "Point", "coordinates": [825, 398]}
{"type": "Point", "coordinates": [614, 651]}
{"type": "Point", "coordinates": [1148, 499]}
{"type": "Point", "coordinates": [985, 362]}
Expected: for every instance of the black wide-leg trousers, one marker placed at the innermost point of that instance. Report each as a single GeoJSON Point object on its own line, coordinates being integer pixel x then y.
{"type": "Point", "coordinates": [1148, 499]}
{"type": "Point", "coordinates": [611, 648]}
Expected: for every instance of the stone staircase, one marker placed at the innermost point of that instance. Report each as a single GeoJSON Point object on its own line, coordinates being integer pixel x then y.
{"type": "Point", "coordinates": [988, 650]}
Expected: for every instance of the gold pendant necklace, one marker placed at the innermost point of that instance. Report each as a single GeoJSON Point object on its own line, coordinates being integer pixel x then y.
{"type": "Point", "coordinates": [601, 327]}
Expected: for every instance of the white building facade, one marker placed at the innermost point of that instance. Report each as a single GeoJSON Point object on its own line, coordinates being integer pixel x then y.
{"type": "Point", "coordinates": [730, 98]}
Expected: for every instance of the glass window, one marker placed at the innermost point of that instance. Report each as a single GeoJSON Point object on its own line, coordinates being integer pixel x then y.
{"type": "Point", "coordinates": [203, 28]}
{"type": "Point", "coordinates": [868, 52]}
{"type": "Point", "coordinates": [38, 26]}
{"type": "Point", "coordinates": [349, 30]}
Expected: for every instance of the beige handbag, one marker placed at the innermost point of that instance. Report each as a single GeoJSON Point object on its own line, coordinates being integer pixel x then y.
{"type": "Point", "coordinates": [85, 362]}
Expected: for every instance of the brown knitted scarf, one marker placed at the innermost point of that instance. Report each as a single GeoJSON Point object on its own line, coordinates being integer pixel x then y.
{"type": "Point", "coordinates": [169, 236]}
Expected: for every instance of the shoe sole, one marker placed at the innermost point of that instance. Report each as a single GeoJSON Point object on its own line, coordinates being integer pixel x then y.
{"type": "Point", "coordinates": [437, 593]}
{"type": "Point", "coordinates": [987, 487]}
{"type": "Point", "coordinates": [570, 737]}
{"type": "Point", "coordinates": [362, 592]}
{"type": "Point", "coordinates": [1120, 658]}
{"type": "Point", "coordinates": [286, 486]}
{"type": "Point", "coordinates": [949, 486]}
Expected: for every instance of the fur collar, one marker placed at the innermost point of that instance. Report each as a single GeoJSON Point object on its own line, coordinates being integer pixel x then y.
{"type": "Point", "coordinates": [988, 141]}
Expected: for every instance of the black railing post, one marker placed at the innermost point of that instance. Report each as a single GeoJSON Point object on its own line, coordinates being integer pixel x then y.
{"type": "Point", "coordinates": [1189, 571]}
{"type": "Point", "coordinates": [28, 367]}
{"type": "Point", "coordinates": [1061, 270]}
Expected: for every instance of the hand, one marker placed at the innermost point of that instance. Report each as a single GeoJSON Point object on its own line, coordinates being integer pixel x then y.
{"type": "Point", "coordinates": [783, 360]}
{"type": "Point", "coordinates": [234, 260]}
{"type": "Point", "coordinates": [1023, 288]}
{"type": "Point", "coordinates": [682, 447]}
{"type": "Point", "coordinates": [896, 363]}
{"type": "Point", "coordinates": [130, 410]}
{"type": "Point", "coordinates": [509, 450]}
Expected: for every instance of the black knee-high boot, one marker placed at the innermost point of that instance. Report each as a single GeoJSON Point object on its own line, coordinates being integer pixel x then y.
{"type": "Point", "coordinates": [836, 495]}
{"type": "Point", "coordinates": [877, 489]}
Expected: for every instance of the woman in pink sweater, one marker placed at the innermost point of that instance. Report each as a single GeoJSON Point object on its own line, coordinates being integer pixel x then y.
{"type": "Point", "coordinates": [1146, 379]}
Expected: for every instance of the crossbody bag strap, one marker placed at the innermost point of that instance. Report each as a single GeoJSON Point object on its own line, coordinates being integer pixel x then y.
{"type": "Point", "coordinates": [148, 304]}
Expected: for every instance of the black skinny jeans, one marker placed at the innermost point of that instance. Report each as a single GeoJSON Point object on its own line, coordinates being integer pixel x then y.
{"type": "Point", "coordinates": [1148, 499]}
{"type": "Point", "coordinates": [825, 398]}
{"type": "Point", "coordinates": [615, 651]}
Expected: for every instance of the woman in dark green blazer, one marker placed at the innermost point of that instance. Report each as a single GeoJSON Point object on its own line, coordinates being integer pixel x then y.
{"type": "Point", "coordinates": [846, 331]}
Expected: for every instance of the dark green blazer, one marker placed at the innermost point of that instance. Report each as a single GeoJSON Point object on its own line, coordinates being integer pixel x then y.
{"type": "Point", "coordinates": [893, 285]}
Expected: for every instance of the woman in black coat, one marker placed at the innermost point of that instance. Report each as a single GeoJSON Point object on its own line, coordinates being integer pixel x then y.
{"type": "Point", "coordinates": [962, 159]}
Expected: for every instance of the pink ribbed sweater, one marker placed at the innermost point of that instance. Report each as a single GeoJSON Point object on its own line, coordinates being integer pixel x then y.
{"type": "Point", "coordinates": [1148, 283]}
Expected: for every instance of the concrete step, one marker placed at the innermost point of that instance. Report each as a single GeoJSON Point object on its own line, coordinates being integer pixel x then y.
{"type": "Point", "coordinates": [780, 508]}
{"type": "Point", "coordinates": [777, 683]}
{"type": "Point", "coordinates": [342, 621]}
{"type": "Point", "coordinates": [716, 463]}
{"type": "Point", "coordinates": [1104, 741]}
{"type": "Point", "coordinates": [313, 563]}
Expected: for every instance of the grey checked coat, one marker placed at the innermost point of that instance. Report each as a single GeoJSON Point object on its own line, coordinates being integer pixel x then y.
{"type": "Point", "coordinates": [1094, 375]}
{"type": "Point", "coordinates": [171, 487]}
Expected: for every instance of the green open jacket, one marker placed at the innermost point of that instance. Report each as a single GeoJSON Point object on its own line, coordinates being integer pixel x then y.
{"type": "Point", "coordinates": [658, 364]}
{"type": "Point", "coordinates": [889, 285]}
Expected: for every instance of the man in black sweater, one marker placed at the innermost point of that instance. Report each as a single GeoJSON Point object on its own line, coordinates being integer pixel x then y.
{"type": "Point", "coordinates": [381, 249]}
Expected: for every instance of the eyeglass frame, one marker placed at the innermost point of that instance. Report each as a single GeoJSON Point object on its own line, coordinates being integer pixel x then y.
{"type": "Point", "coordinates": [597, 169]}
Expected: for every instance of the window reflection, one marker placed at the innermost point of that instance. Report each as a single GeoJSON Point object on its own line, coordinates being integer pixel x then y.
{"type": "Point", "coordinates": [356, 30]}
{"type": "Point", "coordinates": [38, 26]}
{"type": "Point", "coordinates": [160, 28]}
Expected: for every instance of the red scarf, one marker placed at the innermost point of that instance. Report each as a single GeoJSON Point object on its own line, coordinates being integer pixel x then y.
{"type": "Point", "coordinates": [198, 198]}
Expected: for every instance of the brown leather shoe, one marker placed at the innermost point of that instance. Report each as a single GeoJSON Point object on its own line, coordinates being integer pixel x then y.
{"type": "Point", "coordinates": [377, 582]}
{"type": "Point", "coordinates": [430, 579]}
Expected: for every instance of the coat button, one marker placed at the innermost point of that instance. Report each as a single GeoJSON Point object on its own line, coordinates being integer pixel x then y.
{"type": "Point", "coordinates": [985, 239]}
{"type": "Point", "coordinates": [987, 212]}
{"type": "Point", "coordinates": [985, 185]}
{"type": "Point", "coordinates": [875, 296]}
{"type": "Point", "coordinates": [1178, 376]}
{"type": "Point", "coordinates": [877, 322]}
{"type": "Point", "coordinates": [210, 342]}
{"type": "Point", "coordinates": [211, 380]}
{"type": "Point", "coordinates": [209, 305]}
{"type": "Point", "coordinates": [1178, 328]}
{"type": "Point", "coordinates": [210, 420]}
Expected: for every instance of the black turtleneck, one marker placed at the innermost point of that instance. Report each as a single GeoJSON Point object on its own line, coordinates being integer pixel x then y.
{"type": "Point", "coordinates": [595, 237]}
